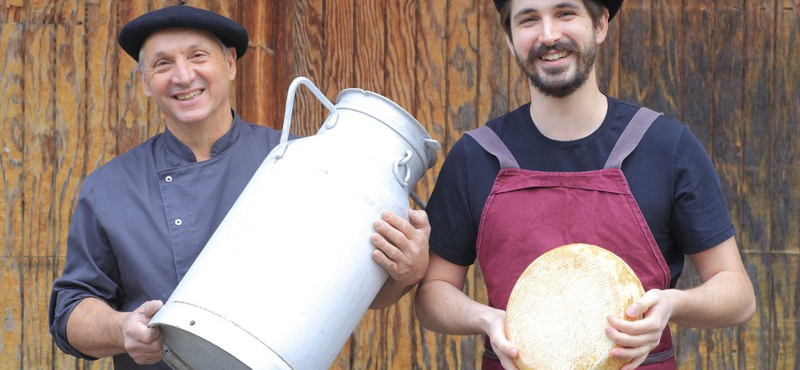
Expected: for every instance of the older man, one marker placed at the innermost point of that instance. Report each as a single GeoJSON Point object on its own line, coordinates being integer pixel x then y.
{"type": "Point", "coordinates": [143, 218]}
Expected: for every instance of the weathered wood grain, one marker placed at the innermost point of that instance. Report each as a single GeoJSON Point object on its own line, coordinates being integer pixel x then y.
{"type": "Point", "coordinates": [493, 65]}
{"type": "Point", "coordinates": [436, 351]}
{"type": "Point", "coordinates": [758, 171]}
{"type": "Point", "coordinates": [635, 25]}
{"type": "Point", "coordinates": [12, 129]}
{"type": "Point", "coordinates": [133, 116]}
{"type": "Point", "coordinates": [263, 76]}
{"type": "Point", "coordinates": [607, 66]}
{"type": "Point", "coordinates": [339, 49]}
{"type": "Point", "coordinates": [786, 186]}
{"type": "Point", "coordinates": [308, 59]}
{"type": "Point", "coordinates": [71, 100]}
{"type": "Point", "coordinates": [664, 42]}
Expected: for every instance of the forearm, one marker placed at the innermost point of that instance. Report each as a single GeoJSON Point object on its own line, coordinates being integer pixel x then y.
{"type": "Point", "coordinates": [390, 292]}
{"type": "Point", "coordinates": [726, 299]}
{"type": "Point", "coordinates": [95, 329]}
{"type": "Point", "coordinates": [443, 308]}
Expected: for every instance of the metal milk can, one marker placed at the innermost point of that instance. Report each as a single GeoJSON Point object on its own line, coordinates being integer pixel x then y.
{"type": "Point", "coordinates": [288, 274]}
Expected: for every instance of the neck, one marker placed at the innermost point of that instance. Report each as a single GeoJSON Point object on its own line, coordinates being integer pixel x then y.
{"type": "Point", "coordinates": [201, 136]}
{"type": "Point", "coordinates": [572, 117]}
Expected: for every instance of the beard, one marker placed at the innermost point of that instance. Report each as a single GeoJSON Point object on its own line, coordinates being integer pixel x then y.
{"type": "Point", "coordinates": [550, 82]}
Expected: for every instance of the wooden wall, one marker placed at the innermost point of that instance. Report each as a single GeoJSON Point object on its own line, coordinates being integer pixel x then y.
{"type": "Point", "coordinates": [730, 69]}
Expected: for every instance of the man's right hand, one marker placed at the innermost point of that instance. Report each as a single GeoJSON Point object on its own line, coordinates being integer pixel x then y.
{"type": "Point", "coordinates": [143, 343]}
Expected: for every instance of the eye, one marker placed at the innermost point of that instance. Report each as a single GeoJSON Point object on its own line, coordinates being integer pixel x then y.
{"type": "Point", "coordinates": [528, 20]}
{"type": "Point", "coordinates": [199, 55]}
{"type": "Point", "coordinates": [161, 64]}
{"type": "Point", "coordinates": [566, 14]}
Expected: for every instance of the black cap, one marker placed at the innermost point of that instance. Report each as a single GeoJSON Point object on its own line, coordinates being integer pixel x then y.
{"type": "Point", "coordinates": [136, 31]}
{"type": "Point", "coordinates": [612, 5]}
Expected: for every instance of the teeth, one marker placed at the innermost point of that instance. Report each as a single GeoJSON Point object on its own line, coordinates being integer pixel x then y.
{"type": "Point", "coordinates": [189, 95]}
{"type": "Point", "coordinates": [558, 55]}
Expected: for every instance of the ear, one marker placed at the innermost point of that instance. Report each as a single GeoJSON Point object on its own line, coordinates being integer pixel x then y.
{"type": "Point", "coordinates": [601, 31]}
{"type": "Point", "coordinates": [510, 45]}
{"type": "Point", "coordinates": [145, 86]}
{"type": "Point", "coordinates": [230, 58]}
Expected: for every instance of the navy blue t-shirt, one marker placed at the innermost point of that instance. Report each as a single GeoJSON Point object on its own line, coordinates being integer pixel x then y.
{"type": "Point", "coordinates": [670, 174]}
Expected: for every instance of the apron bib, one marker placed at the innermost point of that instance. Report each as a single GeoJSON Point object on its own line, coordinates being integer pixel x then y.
{"type": "Point", "coordinates": [529, 213]}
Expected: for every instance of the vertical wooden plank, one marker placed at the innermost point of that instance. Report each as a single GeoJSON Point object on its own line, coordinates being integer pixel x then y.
{"type": "Point", "coordinates": [11, 312]}
{"type": "Point", "coordinates": [726, 150]}
{"type": "Point", "coordinates": [340, 48]}
{"type": "Point", "coordinates": [462, 78]}
{"type": "Point", "coordinates": [13, 131]}
{"type": "Point", "coordinates": [754, 236]}
{"type": "Point", "coordinates": [400, 86]}
{"type": "Point", "coordinates": [11, 204]}
{"type": "Point", "coordinates": [665, 42]}
{"type": "Point", "coordinates": [369, 47]}
{"type": "Point", "coordinates": [493, 59]}
{"type": "Point", "coordinates": [696, 67]}
{"type": "Point", "coordinates": [39, 271]}
{"type": "Point", "coordinates": [102, 61]}
{"type": "Point", "coordinates": [373, 344]}
{"type": "Point", "coordinates": [131, 124]}
{"type": "Point", "coordinates": [786, 227]}
{"type": "Point", "coordinates": [263, 73]}
{"type": "Point", "coordinates": [308, 60]}
{"type": "Point", "coordinates": [435, 51]}
{"type": "Point", "coordinates": [40, 165]}
{"type": "Point", "coordinates": [607, 65]}
{"type": "Point", "coordinates": [635, 54]}
{"type": "Point", "coordinates": [695, 112]}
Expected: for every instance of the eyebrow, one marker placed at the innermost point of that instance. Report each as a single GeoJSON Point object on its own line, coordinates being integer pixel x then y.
{"type": "Point", "coordinates": [562, 5]}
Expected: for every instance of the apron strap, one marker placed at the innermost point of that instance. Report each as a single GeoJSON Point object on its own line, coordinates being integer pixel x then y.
{"type": "Point", "coordinates": [630, 138]}
{"type": "Point", "coordinates": [492, 144]}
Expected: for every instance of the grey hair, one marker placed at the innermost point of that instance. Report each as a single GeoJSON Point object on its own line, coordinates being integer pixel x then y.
{"type": "Point", "coordinates": [140, 63]}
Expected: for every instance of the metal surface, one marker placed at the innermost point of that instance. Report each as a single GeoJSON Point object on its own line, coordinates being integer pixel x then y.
{"type": "Point", "coordinates": [288, 274]}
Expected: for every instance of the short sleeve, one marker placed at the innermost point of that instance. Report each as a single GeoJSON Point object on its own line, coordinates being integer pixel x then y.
{"type": "Point", "coordinates": [453, 232]}
{"type": "Point", "coordinates": [700, 217]}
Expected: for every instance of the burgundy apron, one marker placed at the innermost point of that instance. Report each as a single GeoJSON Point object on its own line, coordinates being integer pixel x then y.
{"type": "Point", "coordinates": [529, 213]}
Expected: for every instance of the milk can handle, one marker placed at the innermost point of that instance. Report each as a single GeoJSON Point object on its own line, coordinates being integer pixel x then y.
{"type": "Point", "coordinates": [287, 114]}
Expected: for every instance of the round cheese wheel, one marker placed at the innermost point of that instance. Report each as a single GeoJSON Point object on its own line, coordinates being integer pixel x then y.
{"type": "Point", "coordinates": [557, 312]}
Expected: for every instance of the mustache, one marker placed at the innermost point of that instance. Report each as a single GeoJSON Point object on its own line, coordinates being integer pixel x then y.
{"type": "Point", "coordinates": [561, 45]}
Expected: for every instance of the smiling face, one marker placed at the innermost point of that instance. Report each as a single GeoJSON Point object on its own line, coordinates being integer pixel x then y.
{"type": "Point", "coordinates": [555, 43]}
{"type": "Point", "coordinates": [188, 75]}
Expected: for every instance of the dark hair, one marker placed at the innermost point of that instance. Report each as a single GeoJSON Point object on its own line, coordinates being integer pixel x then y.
{"type": "Point", "coordinates": [594, 7]}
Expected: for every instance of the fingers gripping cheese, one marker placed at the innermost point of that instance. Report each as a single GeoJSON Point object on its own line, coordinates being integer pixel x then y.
{"type": "Point", "coordinates": [556, 314]}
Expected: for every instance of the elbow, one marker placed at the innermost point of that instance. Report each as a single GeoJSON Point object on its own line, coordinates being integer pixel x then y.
{"type": "Point", "coordinates": [419, 306]}
{"type": "Point", "coordinates": [749, 310]}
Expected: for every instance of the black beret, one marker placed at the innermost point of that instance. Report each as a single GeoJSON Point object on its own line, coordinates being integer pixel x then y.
{"type": "Point", "coordinates": [136, 31]}
{"type": "Point", "coordinates": [612, 5]}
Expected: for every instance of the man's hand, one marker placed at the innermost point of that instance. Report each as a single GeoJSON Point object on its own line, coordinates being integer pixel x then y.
{"type": "Point", "coordinates": [505, 350]}
{"type": "Point", "coordinates": [141, 342]}
{"type": "Point", "coordinates": [637, 338]}
{"type": "Point", "coordinates": [402, 246]}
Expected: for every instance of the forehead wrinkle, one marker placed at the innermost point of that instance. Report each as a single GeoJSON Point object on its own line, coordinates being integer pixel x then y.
{"type": "Point", "coordinates": [162, 52]}
{"type": "Point", "coordinates": [562, 5]}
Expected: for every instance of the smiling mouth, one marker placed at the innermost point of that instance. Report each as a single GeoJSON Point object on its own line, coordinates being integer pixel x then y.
{"type": "Point", "coordinates": [189, 96]}
{"type": "Point", "coordinates": [554, 56]}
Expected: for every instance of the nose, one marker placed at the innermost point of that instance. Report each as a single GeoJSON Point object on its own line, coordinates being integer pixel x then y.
{"type": "Point", "coordinates": [183, 72]}
{"type": "Point", "coordinates": [551, 32]}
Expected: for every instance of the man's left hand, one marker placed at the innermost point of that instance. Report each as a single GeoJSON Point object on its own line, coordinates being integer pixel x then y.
{"type": "Point", "coordinates": [637, 338]}
{"type": "Point", "coordinates": [402, 246]}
